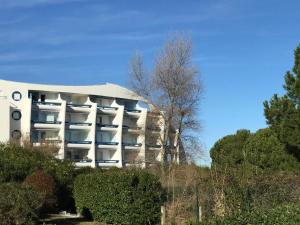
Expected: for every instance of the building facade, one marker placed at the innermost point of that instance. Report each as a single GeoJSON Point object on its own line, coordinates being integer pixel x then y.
{"type": "Point", "coordinates": [98, 126]}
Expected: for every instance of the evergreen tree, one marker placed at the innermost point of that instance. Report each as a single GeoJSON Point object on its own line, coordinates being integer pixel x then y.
{"type": "Point", "coordinates": [227, 152]}
{"type": "Point", "coordinates": [283, 113]}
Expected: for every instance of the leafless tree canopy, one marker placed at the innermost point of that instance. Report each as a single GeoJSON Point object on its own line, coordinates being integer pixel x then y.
{"type": "Point", "coordinates": [173, 86]}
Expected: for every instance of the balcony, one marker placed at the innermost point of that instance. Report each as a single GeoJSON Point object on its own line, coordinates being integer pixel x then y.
{"type": "Point", "coordinates": [107, 144]}
{"type": "Point", "coordinates": [82, 160]}
{"type": "Point", "coordinates": [47, 105]}
{"type": "Point", "coordinates": [131, 146]}
{"type": "Point", "coordinates": [72, 107]}
{"type": "Point", "coordinates": [109, 110]}
{"type": "Point", "coordinates": [51, 142]}
{"type": "Point", "coordinates": [79, 144]}
{"type": "Point", "coordinates": [107, 163]}
{"type": "Point", "coordinates": [154, 129]}
{"type": "Point", "coordinates": [38, 124]}
{"type": "Point", "coordinates": [107, 127]}
{"type": "Point", "coordinates": [132, 112]}
{"type": "Point", "coordinates": [131, 129]}
{"type": "Point", "coordinates": [154, 147]}
{"type": "Point", "coordinates": [78, 125]}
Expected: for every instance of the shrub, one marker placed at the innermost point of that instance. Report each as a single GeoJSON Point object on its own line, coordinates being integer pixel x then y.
{"type": "Point", "coordinates": [19, 204]}
{"type": "Point", "coordinates": [227, 152]}
{"type": "Point", "coordinates": [264, 151]}
{"type": "Point", "coordinates": [45, 185]}
{"type": "Point", "coordinates": [17, 162]}
{"type": "Point", "coordinates": [120, 196]}
{"type": "Point", "coordinates": [281, 215]}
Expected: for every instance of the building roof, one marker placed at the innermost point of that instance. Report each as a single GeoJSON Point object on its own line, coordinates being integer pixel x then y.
{"type": "Point", "coordinates": [107, 89]}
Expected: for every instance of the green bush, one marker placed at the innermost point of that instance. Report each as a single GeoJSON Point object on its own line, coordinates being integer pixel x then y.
{"type": "Point", "coordinates": [227, 152]}
{"type": "Point", "coordinates": [264, 151]}
{"type": "Point", "coordinates": [281, 215]}
{"type": "Point", "coordinates": [19, 204]}
{"type": "Point", "coordinates": [17, 162]}
{"type": "Point", "coordinates": [44, 184]}
{"type": "Point", "coordinates": [120, 196]}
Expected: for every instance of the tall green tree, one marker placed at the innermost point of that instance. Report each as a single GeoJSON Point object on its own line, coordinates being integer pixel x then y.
{"type": "Point", "coordinates": [263, 151]}
{"type": "Point", "coordinates": [228, 151]}
{"type": "Point", "coordinates": [283, 113]}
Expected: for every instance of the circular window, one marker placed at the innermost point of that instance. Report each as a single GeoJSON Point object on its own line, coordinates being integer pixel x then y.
{"type": "Point", "coordinates": [16, 95]}
{"type": "Point", "coordinates": [16, 134]}
{"type": "Point", "coordinates": [16, 115]}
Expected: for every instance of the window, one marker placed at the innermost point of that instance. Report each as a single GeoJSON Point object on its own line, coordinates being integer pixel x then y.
{"type": "Point", "coordinates": [99, 119]}
{"type": "Point", "coordinates": [16, 95]}
{"type": "Point", "coordinates": [16, 134]}
{"type": "Point", "coordinates": [43, 97]}
{"type": "Point", "coordinates": [43, 135]}
{"type": "Point", "coordinates": [16, 115]}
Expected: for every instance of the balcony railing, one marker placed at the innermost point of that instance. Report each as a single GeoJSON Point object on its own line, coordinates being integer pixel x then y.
{"type": "Point", "coordinates": [125, 127]}
{"type": "Point", "coordinates": [107, 125]}
{"type": "Point", "coordinates": [132, 144]}
{"type": "Point", "coordinates": [107, 143]}
{"type": "Point", "coordinates": [133, 110]}
{"type": "Point", "coordinates": [79, 105]}
{"type": "Point", "coordinates": [107, 161]}
{"type": "Point", "coordinates": [153, 146]}
{"type": "Point", "coordinates": [106, 107]}
{"type": "Point", "coordinates": [154, 128]}
{"type": "Point", "coordinates": [78, 123]}
{"type": "Point", "coordinates": [46, 103]}
{"type": "Point", "coordinates": [45, 122]}
{"type": "Point", "coordinates": [82, 160]}
{"type": "Point", "coordinates": [79, 142]}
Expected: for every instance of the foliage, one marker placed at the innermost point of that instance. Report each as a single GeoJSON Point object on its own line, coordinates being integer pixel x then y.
{"type": "Point", "coordinates": [283, 113]}
{"type": "Point", "coordinates": [17, 162]}
{"type": "Point", "coordinates": [227, 152]}
{"type": "Point", "coordinates": [120, 196]}
{"type": "Point", "coordinates": [19, 204]}
{"type": "Point", "coordinates": [264, 151]}
{"type": "Point", "coordinates": [259, 151]}
{"type": "Point", "coordinates": [281, 215]}
{"type": "Point", "coordinates": [45, 185]}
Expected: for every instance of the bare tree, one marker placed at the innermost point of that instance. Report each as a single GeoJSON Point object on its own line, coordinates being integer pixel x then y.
{"type": "Point", "coordinates": [173, 87]}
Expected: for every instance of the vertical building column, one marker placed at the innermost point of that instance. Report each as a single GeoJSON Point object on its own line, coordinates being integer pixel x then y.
{"type": "Point", "coordinates": [162, 123]}
{"type": "Point", "coordinates": [25, 126]}
{"type": "Point", "coordinates": [119, 155]}
{"type": "Point", "coordinates": [5, 115]}
{"type": "Point", "coordinates": [92, 134]}
{"type": "Point", "coordinates": [142, 121]}
{"type": "Point", "coordinates": [62, 131]}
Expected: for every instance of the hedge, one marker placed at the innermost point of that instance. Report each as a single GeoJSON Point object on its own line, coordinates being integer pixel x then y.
{"type": "Point", "coordinates": [19, 204]}
{"type": "Point", "coordinates": [122, 197]}
{"type": "Point", "coordinates": [17, 162]}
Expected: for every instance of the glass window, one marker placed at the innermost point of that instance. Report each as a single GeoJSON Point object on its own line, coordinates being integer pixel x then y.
{"type": "Point", "coordinates": [16, 115]}
{"type": "Point", "coordinates": [16, 134]}
{"type": "Point", "coordinates": [17, 96]}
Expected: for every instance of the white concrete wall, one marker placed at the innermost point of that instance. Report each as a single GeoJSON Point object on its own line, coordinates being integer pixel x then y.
{"type": "Point", "coordinates": [78, 95]}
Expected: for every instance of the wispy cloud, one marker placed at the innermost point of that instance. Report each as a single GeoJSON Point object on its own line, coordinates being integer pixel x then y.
{"type": "Point", "coordinates": [6, 4]}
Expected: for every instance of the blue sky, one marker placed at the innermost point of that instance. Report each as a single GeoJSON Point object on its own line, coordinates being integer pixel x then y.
{"type": "Point", "coordinates": [241, 47]}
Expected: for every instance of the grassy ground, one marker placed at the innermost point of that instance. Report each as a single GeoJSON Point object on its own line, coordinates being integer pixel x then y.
{"type": "Point", "coordinates": [60, 220]}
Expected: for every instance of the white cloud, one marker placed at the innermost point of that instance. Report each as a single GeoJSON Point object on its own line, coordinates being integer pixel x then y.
{"type": "Point", "coordinates": [5, 4]}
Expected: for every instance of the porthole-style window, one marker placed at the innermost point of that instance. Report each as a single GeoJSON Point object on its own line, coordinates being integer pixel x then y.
{"type": "Point", "coordinates": [16, 95]}
{"type": "Point", "coordinates": [16, 115]}
{"type": "Point", "coordinates": [16, 134]}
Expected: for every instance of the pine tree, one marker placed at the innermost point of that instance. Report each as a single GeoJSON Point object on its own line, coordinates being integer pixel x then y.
{"type": "Point", "coordinates": [283, 113]}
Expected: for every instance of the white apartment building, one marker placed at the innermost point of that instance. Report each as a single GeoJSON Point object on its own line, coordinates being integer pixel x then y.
{"type": "Point", "coordinates": [97, 125]}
